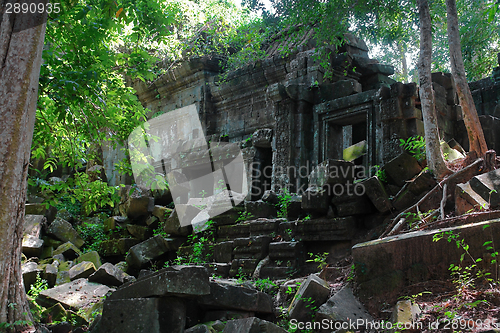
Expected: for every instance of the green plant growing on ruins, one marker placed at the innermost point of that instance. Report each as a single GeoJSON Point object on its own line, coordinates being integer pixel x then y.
{"type": "Point", "coordinates": [244, 216]}
{"type": "Point", "coordinates": [380, 173]}
{"type": "Point", "coordinates": [319, 258]}
{"type": "Point", "coordinates": [352, 273]}
{"type": "Point", "coordinates": [93, 234]}
{"type": "Point", "coordinates": [160, 230]}
{"type": "Point", "coordinates": [284, 203]}
{"type": "Point", "coordinates": [79, 189]}
{"type": "Point", "coordinates": [464, 277]}
{"type": "Point", "coordinates": [266, 285]}
{"type": "Point", "coordinates": [414, 145]}
{"type": "Point", "coordinates": [35, 290]}
{"type": "Point", "coordinates": [202, 247]}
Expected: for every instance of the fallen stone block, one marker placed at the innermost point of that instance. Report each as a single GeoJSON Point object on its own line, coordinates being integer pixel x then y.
{"type": "Point", "coordinates": [225, 315]}
{"type": "Point", "coordinates": [152, 315]}
{"type": "Point", "coordinates": [358, 205]}
{"type": "Point", "coordinates": [34, 209]}
{"type": "Point", "coordinates": [65, 215]}
{"type": "Point", "coordinates": [73, 295]}
{"type": "Point", "coordinates": [91, 256]}
{"type": "Point", "coordinates": [143, 253]}
{"type": "Point", "coordinates": [228, 296]}
{"type": "Point", "coordinates": [32, 246]}
{"type": "Point", "coordinates": [402, 168]}
{"type": "Point", "coordinates": [68, 250]}
{"type": "Point", "coordinates": [343, 307]}
{"type": "Point", "coordinates": [173, 226]}
{"type": "Point", "coordinates": [375, 191]}
{"type": "Point", "coordinates": [466, 200]}
{"type": "Point", "coordinates": [488, 187]}
{"type": "Point", "coordinates": [161, 212]}
{"type": "Point", "coordinates": [109, 275]}
{"type": "Point", "coordinates": [33, 225]}
{"type": "Point", "coordinates": [405, 312]}
{"type": "Point", "coordinates": [312, 292]}
{"type": "Point", "coordinates": [386, 266]}
{"type": "Point", "coordinates": [64, 231]}
{"type": "Point", "coordinates": [355, 151]}
{"type": "Point", "coordinates": [140, 232]}
{"type": "Point", "coordinates": [81, 270]}
{"type": "Point", "coordinates": [170, 281]}
{"type": "Point", "coordinates": [259, 208]}
{"type": "Point", "coordinates": [137, 204]}
{"type": "Point", "coordinates": [294, 209]}
{"type": "Point", "coordinates": [112, 222]}
{"type": "Point", "coordinates": [315, 201]}
{"type": "Point", "coordinates": [50, 275]}
{"type": "Point", "coordinates": [117, 247]}
{"type": "Point", "coordinates": [30, 271]}
{"type": "Point", "coordinates": [251, 325]}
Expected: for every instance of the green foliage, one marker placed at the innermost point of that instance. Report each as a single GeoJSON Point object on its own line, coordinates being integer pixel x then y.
{"type": "Point", "coordinates": [93, 234]}
{"type": "Point", "coordinates": [464, 277]}
{"type": "Point", "coordinates": [380, 173]}
{"type": "Point", "coordinates": [266, 285]}
{"type": "Point", "coordinates": [284, 202]}
{"type": "Point", "coordinates": [352, 273]}
{"type": "Point", "coordinates": [202, 247]}
{"type": "Point", "coordinates": [39, 286]}
{"type": "Point", "coordinates": [414, 145]}
{"type": "Point", "coordinates": [244, 216]}
{"type": "Point", "coordinates": [319, 258]}
{"type": "Point", "coordinates": [84, 195]}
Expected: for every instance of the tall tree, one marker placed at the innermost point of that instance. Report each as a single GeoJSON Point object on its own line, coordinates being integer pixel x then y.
{"type": "Point", "coordinates": [21, 43]}
{"type": "Point", "coordinates": [477, 142]}
{"type": "Point", "coordinates": [432, 142]}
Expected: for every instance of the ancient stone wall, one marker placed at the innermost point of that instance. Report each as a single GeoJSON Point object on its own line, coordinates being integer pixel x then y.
{"type": "Point", "coordinates": [312, 118]}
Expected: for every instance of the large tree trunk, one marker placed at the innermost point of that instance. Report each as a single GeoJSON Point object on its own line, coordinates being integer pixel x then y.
{"type": "Point", "coordinates": [432, 142]}
{"type": "Point", "coordinates": [477, 142]}
{"type": "Point", "coordinates": [21, 43]}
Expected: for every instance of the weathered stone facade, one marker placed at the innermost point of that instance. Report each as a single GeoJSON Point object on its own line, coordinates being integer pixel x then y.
{"type": "Point", "coordinates": [308, 117]}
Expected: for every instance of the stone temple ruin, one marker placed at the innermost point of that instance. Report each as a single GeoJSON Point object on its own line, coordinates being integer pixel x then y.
{"type": "Point", "coordinates": [294, 127]}
{"type": "Point", "coordinates": [288, 116]}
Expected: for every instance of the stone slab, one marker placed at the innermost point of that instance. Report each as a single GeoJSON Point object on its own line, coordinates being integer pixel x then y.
{"type": "Point", "coordinates": [375, 191]}
{"type": "Point", "coordinates": [385, 266]}
{"type": "Point", "coordinates": [141, 254]}
{"type": "Point", "coordinates": [152, 315]}
{"type": "Point", "coordinates": [312, 292]}
{"type": "Point", "coordinates": [228, 296]}
{"type": "Point", "coordinates": [73, 295]}
{"type": "Point", "coordinates": [343, 307]}
{"type": "Point", "coordinates": [488, 187]}
{"type": "Point", "coordinates": [171, 281]}
{"type": "Point", "coordinates": [64, 231]}
{"type": "Point", "coordinates": [251, 325]}
{"type": "Point", "coordinates": [402, 168]}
